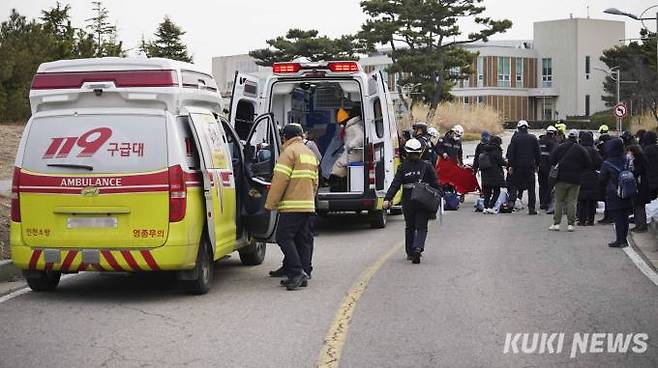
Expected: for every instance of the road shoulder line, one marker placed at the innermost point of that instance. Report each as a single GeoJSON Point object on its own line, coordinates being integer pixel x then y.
{"type": "Point", "coordinates": [640, 262]}
{"type": "Point", "coordinates": [337, 334]}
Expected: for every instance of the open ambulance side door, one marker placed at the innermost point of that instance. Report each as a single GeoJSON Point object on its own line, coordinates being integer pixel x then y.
{"type": "Point", "coordinates": [215, 164]}
{"type": "Point", "coordinates": [244, 103]}
{"type": "Point", "coordinates": [261, 151]}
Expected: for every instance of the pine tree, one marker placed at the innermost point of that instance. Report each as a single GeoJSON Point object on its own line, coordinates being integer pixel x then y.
{"type": "Point", "coordinates": [167, 43]}
{"type": "Point", "coordinates": [105, 34]}
{"type": "Point", "coordinates": [422, 37]}
{"type": "Point", "coordinates": [300, 43]}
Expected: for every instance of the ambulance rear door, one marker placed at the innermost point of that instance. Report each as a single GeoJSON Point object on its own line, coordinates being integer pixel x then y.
{"type": "Point", "coordinates": [382, 152]}
{"type": "Point", "coordinates": [244, 103]}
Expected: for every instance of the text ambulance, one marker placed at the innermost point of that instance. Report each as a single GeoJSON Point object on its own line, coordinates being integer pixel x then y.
{"type": "Point", "coordinates": [125, 165]}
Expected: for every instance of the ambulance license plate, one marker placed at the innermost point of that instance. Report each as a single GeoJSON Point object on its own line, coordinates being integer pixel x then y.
{"type": "Point", "coordinates": [91, 222]}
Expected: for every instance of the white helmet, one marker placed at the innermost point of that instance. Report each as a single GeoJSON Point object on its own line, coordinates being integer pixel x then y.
{"type": "Point", "coordinates": [459, 130]}
{"type": "Point", "coordinates": [551, 129]}
{"type": "Point", "coordinates": [433, 132]}
{"type": "Point", "coordinates": [522, 124]}
{"type": "Point", "coordinates": [413, 146]}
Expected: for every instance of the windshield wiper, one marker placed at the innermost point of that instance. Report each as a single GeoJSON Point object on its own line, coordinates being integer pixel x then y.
{"type": "Point", "coordinates": [73, 166]}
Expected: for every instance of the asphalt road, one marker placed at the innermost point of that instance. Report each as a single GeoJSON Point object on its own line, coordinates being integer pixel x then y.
{"type": "Point", "coordinates": [481, 278]}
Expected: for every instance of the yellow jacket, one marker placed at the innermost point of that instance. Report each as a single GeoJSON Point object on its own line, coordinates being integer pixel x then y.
{"type": "Point", "coordinates": [295, 179]}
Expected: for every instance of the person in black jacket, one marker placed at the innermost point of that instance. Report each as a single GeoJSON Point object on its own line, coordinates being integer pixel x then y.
{"type": "Point", "coordinates": [590, 189]}
{"type": "Point", "coordinates": [450, 146]}
{"type": "Point", "coordinates": [523, 157]}
{"type": "Point", "coordinates": [411, 171]}
{"type": "Point", "coordinates": [484, 140]}
{"type": "Point", "coordinates": [618, 208]}
{"type": "Point", "coordinates": [604, 137]}
{"type": "Point", "coordinates": [493, 175]}
{"type": "Point", "coordinates": [638, 165]}
{"type": "Point", "coordinates": [547, 144]}
{"type": "Point", "coordinates": [650, 148]}
{"type": "Point", "coordinates": [573, 160]}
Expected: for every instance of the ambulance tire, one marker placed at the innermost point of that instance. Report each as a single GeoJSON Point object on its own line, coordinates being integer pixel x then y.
{"type": "Point", "coordinates": [45, 281]}
{"type": "Point", "coordinates": [378, 219]}
{"type": "Point", "coordinates": [204, 271]}
{"type": "Point", "coordinates": [253, 254]}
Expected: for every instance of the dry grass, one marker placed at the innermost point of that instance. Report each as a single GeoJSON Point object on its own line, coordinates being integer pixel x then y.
{"type": "Point", "coordinates": [474, 119]}
{"type": "Point", "coordinates": [4, 227]}
{"type": "Point", "coordinates": [646, 122]}
{"type": "Point", "coordinates": [11, 136]}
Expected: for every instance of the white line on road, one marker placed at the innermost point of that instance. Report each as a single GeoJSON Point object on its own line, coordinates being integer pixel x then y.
{"type": "Point", "coordinates": [25, 290]}
{"type": "Point", "coordinates": [641, 264]}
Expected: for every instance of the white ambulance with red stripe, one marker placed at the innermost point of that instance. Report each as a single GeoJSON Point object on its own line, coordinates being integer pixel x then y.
{"type": "Point", "coordinates": [359, 155]}
{"type": "Point", "coordinates": [127, 165]}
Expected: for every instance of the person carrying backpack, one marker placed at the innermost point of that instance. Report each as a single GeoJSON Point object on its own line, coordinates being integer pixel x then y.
{"type": "Point", "coordinates": [413, 170]}
{"type": "Point", "coordinates": [492, 172]}
{"type": "Point", "coordinates": [638, 164]}
{"type": "Point", "coordinates": [618, 192]}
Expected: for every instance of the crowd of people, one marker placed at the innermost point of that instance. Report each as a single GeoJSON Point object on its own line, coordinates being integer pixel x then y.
{"type": "Point", "coordinates": [575, 171]}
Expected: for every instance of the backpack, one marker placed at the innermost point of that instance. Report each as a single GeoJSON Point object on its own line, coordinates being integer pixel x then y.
{"type": "Point", "coordinates": [484, 161]}
{"type": "Point", "coordinates": [451, 200]}
{"type": "Point", "coordinates": [626, 184]}
{"type": "Point", "coordinates": [479, 205]}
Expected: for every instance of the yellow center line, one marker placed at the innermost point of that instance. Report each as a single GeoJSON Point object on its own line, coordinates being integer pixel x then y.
{"type": "Point", "coordinates": [337, 334]}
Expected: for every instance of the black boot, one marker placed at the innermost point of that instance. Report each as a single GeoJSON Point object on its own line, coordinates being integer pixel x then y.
{"type": "Point", "coordinates": [416, 257]}
{"type": "Point", "coordinates": [297, 281]}
{"type": "Point", "coordinates": [287, 281]}
{"type": "Point", "coordinates": [281, 272]}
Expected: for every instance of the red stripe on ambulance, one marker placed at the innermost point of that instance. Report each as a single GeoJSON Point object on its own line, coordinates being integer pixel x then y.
{"type": "Point", "coordinates": [70, 256]}
{"type": "Point", "coordinates": [111, 260]}
{"type": "Point", "coordinates": [150, 260]}
{"type": "Point", "coordinates": [130, 260]}
{"type": "Point", "coordinates": [36, 254]}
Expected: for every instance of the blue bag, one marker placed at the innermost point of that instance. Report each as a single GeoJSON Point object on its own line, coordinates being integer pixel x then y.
{"type": "Point", "coordinates": [452, 201]}
{"type": "Point", "coordinates": [626, 184]}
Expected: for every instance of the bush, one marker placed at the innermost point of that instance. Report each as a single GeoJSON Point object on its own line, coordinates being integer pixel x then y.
{"type": "Point", "coordinates": [474, 119]}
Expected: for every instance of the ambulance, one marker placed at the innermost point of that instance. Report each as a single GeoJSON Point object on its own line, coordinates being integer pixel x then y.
{"type": "Point", "coordinates": [359, 158]}
{"type": "Point", "coordinates": [126, 165]}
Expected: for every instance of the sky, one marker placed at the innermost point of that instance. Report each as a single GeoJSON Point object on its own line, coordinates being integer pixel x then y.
{"type": "Point", "coordinates": [230, 27]}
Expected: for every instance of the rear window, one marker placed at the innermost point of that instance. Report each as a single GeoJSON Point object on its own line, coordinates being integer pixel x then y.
{"type": "Point", "coordinates": [96, 144]}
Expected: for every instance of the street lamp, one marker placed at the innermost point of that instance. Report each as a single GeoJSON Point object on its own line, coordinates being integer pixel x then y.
{"type": "Point", "coordinates": [641, 18]}
{"type": "Point", "coordinates": [615, 74]}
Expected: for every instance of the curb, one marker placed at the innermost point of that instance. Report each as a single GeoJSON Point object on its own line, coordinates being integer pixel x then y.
{"type": "Point", "coordinates": [653, 230]}
{"type": "Point", "coordinates": [8, 271]}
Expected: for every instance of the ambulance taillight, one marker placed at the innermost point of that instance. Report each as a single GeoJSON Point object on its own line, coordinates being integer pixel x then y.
{"type": "Point", "coordinates": [344, 67]}
{"type": "Point", "coordinates": [370, 165]}
{"type": "Point", "coordinates": [177, 194]}
{"type": "Point", "coordinates": [120, 78]}
{"type": "Point", "coordinates": [286, 68]}
{"type": "Point", "coordinates": [15, 196]}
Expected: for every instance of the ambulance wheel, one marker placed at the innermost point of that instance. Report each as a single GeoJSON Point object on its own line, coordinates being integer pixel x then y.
{"type": "Point", "coordinates": [203, 271]}
{"type": "Point", "coordinates": [378, 219]}
{"type": "Point", "coordinates": [253, 254]}
{"type": "Point", "coordinates": [43, 281]}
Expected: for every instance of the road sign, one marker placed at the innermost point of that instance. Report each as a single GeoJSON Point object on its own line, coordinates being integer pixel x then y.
{"type": "Point", "coordinates": [620, 110]}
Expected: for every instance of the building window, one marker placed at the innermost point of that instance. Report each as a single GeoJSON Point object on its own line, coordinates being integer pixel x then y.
{"type": "Point", "coordinates": [587, 106]}
{"type": "Point", "coordinates": [480, 67]}
{"type": "Point", "coordinates": [503, 72]}
{"type": "Point", "coordinates": [519, 72]}
{"type": "Point", "coordinates": [547, 73]}
{"type": "Point", "coordinates": [466, 101]}
{"type": "Point", "coordinates": [588, 67]}
{"type": "Point", "coordinates": [480, 100]}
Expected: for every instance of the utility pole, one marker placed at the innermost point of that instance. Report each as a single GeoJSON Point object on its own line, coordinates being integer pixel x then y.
{"type": "Point", "coordinates": [619, 122]}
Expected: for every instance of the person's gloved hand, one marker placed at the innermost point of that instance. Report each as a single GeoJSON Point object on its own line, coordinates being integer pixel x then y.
{"type": "Point", "coordinates": [387, 205]}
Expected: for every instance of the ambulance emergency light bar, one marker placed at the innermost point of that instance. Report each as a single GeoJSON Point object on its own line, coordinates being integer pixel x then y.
{"type": "Point", "coordinates": [120, 78]}
{"type": "Point", "coordinates": [334, 66]}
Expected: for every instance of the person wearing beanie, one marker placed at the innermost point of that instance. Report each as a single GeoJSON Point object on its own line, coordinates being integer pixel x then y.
{"type": "Point", "coordinates": [571, 160]}
{"type": "Point", "coordinates": [292, 193]}
{"type": "Point", "coordinates": [484, 140]}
